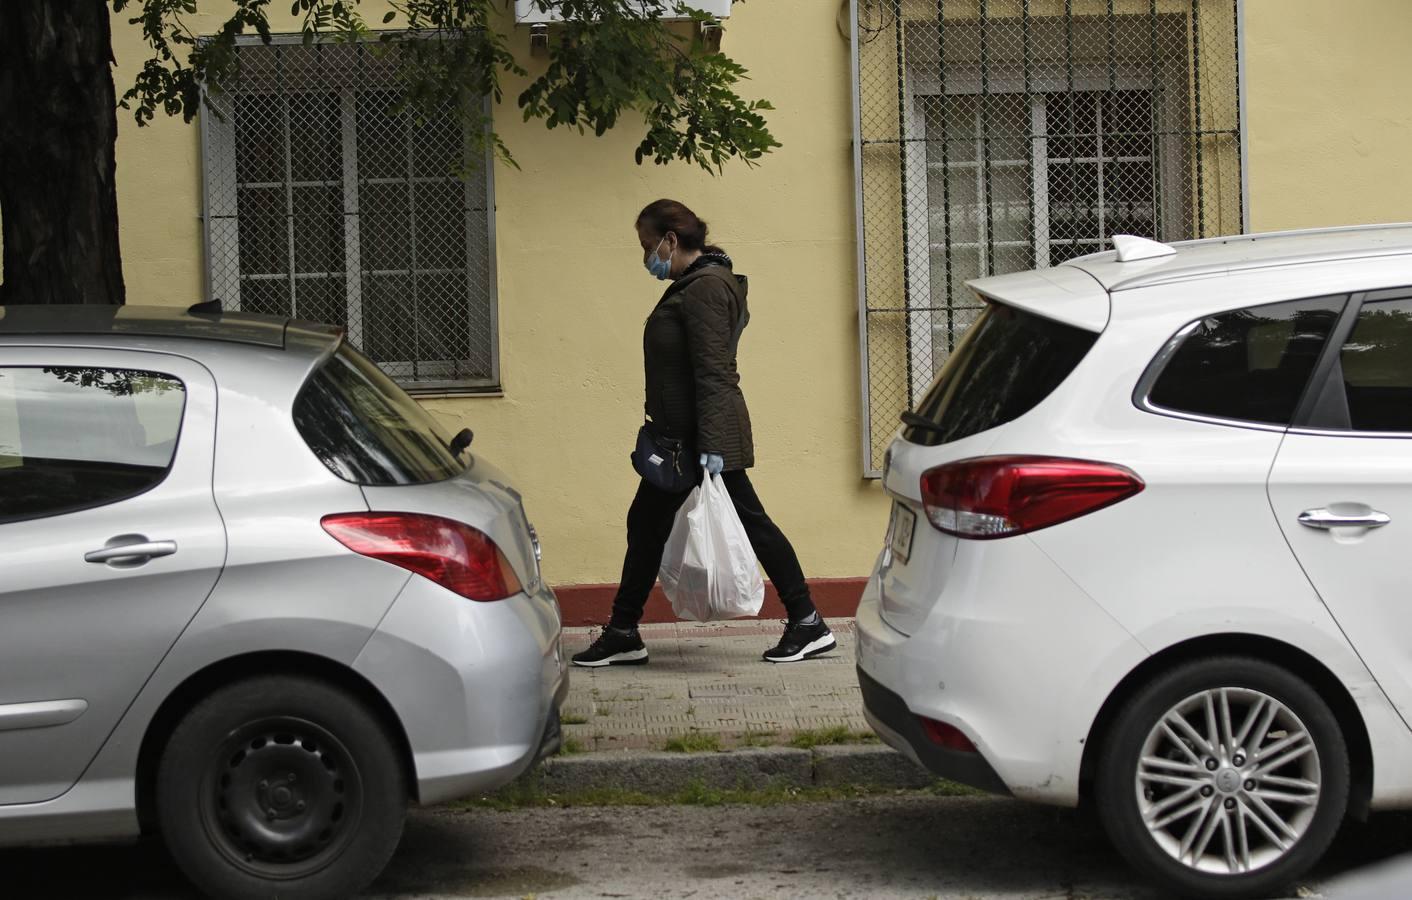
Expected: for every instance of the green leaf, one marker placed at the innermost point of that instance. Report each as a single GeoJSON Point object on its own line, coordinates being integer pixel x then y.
{"type": "Point", "coordinates": [609, 58]}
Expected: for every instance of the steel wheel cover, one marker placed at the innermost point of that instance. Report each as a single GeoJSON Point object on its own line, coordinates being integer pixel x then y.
{"type": "Point", "coordinates": [282, 798]}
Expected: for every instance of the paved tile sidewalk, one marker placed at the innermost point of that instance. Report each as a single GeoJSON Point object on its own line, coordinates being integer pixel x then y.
{"type": "Point", "coordinates": [709, 678]}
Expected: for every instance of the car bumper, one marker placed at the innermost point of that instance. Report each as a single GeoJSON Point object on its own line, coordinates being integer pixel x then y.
{"type": "Point", "coordinates": [553, 738]}
{"type": "Point", "coordinates": [476, 686]}
{"type": "Point", "coordinates": [1011, 654]}
{"type": "Point", "coordinates": [889, 716]}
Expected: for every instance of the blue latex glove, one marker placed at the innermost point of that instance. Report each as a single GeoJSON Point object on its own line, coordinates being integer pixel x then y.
{"type": "Point", "coordinates": [713, 463]}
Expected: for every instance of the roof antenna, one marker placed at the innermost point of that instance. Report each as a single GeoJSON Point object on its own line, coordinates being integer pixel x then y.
{"type": "Point", "coordinates": [208, 308]}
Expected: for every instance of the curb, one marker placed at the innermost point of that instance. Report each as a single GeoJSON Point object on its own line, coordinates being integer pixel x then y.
{"type": "Point", "coordinates": [868, 766]}
{"type": "Point", "coordinates": [666, 774]}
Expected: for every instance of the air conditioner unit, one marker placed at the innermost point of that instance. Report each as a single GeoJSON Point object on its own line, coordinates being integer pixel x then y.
{"type": "Point", "coordinates": [527, 12]}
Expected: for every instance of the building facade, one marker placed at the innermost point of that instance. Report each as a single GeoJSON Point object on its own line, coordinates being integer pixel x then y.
{"type": "Point", "coordinates": [925, 142]}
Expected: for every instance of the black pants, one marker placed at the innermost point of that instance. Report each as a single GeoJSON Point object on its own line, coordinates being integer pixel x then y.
{"type": "Point", "coordinates": [650, 523]}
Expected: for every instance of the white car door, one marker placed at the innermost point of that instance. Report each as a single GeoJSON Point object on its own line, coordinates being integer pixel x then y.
{"type": "Point", "coordinates": [109, 543]}
{"type": "Point", "coordinates": [1341, 487]}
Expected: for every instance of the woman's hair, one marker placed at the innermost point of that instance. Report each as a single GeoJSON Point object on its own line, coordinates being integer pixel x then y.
{"type": "Point", "coordinates": [669, 215]}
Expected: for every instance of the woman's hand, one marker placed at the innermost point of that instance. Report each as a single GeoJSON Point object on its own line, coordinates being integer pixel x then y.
{"type": "Point", "coordinates": [713, 463]}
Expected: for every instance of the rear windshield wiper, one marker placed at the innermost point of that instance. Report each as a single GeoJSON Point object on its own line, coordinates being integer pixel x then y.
{"type": "Point", "coordinates": [922, 422]}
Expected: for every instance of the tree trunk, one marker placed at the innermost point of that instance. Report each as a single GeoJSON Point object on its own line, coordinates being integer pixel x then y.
{"type": "Point", "coordinates": [58, 127]}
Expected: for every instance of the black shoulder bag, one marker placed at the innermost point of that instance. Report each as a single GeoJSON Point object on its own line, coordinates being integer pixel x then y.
{"type": "Point", "coordinates": [663, 462]}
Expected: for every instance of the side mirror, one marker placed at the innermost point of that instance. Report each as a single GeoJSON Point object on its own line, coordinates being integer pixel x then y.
{"type": "Point", "coordinates": [461, 441]}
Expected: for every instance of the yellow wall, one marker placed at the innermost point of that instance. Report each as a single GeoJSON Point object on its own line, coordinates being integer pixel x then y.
{"type": "Point", "coordinates": [1330, 122]}
{"type": "Point", "coordinates": [1329, 129]}
{"type": "Point", "coordinates": [573, 295]}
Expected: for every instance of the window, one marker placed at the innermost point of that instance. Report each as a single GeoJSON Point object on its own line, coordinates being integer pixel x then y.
{"type": "Point", "coordinates": [367, 430]}
{"type": "Point", "coordinates": [1251, 365]}
{"type": "Point", "coordinates": [1007, 364]}
{"type": "Point", "coordinates": [998, 136]}
{"type": "Point", "coordinates": [1029, 170]}
{"type": "Point", "coordinates": [325, 202]}
{"type": "Point", "coordinates": [1376, 363]}
{"type": "Point", "coordinates": [76, 438]}
{"type": "Point", "coordinates": [1009, 202]}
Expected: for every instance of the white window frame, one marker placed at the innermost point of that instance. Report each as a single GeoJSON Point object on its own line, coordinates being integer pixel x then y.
{"type": "Point", "coordinates": [527, 12]}
{"type": "Point", "coordinates": [221, 227]}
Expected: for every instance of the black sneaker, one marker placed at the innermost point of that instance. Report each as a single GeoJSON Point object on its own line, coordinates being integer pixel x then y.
{"type": "Point", "coordinates": [614, 647]}
{"type": "Point", "coordinates": [802, 641]}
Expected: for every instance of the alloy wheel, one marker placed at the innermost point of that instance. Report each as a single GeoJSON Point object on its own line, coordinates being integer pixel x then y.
{"type": "Point", "coordinates": [1228, 781]}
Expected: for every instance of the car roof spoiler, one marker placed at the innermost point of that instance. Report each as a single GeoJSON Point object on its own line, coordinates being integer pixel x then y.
{"type": "Point", "coordinates": [1064, 293]}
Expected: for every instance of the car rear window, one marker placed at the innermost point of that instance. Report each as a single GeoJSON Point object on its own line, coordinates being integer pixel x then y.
{"type": "Point", "coordinates": [367, 430]}
{"type": "Point", "coordinates": [1250, 365]}
{"type": "Point", "coordinates": [1008, 362]}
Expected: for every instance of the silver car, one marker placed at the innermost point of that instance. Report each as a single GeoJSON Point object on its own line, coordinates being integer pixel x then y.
{"type": "Point", "coordinates": [252, 598]}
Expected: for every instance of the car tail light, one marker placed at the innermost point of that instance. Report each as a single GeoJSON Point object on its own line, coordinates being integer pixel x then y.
{"type": "Point", "coordinates": [1000, 496]}
{"type": "Point", "coordinates": [452, 554]}
{"type": "Point", "coordinates": [948, 737]}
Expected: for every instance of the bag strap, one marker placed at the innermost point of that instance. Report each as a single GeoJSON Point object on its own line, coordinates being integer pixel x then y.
{"type": "Point", "coordinates": [741, 320]}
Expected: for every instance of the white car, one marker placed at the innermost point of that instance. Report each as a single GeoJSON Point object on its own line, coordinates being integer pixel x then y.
{"type": "Point", "coordinates": [1150, 547]}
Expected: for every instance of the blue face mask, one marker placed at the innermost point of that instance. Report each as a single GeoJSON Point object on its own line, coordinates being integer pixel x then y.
{"type": "Point", "coordinates": [660, 268]}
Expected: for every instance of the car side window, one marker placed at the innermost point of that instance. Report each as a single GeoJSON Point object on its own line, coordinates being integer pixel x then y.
{"type": "Point", "coordinates": [74, 438]}
{"type": "Point", "coordinates": [1376, 362]}
{"type": "Point", "coordinates": [1250, 365]}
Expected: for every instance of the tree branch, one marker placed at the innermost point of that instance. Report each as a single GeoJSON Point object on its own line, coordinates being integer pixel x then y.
{"type": "Point", "coordinates": [613, 56]}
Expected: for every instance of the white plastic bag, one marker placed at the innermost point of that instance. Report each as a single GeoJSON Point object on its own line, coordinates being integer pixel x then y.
{"type": "Point", "coordinates": [709, 570]}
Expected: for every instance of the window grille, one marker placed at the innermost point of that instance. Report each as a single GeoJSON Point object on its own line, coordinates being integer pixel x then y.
{"type": "Point", "coordinates": [324, 202]}
{"type": "Point", "coordinates": [1001, 135]}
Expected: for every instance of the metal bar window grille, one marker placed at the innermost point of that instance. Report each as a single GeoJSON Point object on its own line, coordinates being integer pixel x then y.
{"type": "Point", "coordinates": [324, 202]}
{"type": "Point", "coordinates": [1002, 135]}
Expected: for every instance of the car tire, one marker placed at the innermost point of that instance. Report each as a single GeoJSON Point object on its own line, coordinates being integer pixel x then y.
{"type": "Point", "coordinates": [283, 787]}
{"type": "Point", "coordinates": [1222, 847]}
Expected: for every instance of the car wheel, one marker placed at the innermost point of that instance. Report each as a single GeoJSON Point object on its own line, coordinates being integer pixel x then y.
{"type": "Point", "coordinates": [280, 786]}
{"type": "Point", "coordinates": [1224, 777]}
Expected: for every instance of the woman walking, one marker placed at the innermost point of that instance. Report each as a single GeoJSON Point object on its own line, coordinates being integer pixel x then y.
{"type": "Point", "coordinates": [694, 397]}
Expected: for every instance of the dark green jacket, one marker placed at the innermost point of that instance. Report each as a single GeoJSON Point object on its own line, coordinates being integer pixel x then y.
{"type": "Point", "coordinates": [688, 349]}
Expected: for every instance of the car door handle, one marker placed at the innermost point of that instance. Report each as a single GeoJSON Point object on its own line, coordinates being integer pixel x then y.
{"type": "Point", "coordinates": [130, 553]}
{"type": "Point", "coordinates": [1325, 519]}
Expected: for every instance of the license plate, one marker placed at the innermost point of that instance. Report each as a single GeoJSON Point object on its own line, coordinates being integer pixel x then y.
{"type": "Point", "coordinates": [904, 522]}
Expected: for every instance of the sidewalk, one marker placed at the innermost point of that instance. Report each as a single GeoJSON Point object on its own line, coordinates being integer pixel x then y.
{"type": "Point", "coordinates": [708, 681]}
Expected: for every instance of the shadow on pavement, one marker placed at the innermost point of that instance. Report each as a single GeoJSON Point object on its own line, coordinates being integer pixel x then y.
{"type": "Point", "coordinates": [892, 846]}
